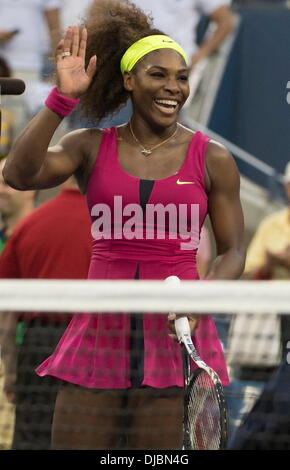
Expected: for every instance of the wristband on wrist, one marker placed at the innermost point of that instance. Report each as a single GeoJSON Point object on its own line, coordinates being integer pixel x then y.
{"type": "Point", "coordinates": [60, 104]}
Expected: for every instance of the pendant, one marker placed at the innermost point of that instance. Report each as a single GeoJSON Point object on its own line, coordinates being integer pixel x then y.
{"type": "Point", "coordinates": [146, 152]}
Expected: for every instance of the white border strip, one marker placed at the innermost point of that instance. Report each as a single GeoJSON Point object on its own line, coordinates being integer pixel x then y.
{"type": "Point", "coordinates": [144, 296]}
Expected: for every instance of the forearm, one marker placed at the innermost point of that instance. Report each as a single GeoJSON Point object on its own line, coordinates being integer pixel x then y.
{"type": "Point", "coordinates": [28, 152]}
{"type": "Point", "coordinates": [225, 26]}
{"type": "Point", "coordinates": [229, 265]}
{"type": "Point", "coordinates": [53, 23]}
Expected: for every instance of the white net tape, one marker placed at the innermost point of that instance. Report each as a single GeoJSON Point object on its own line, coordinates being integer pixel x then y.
{"type": "Point", "coordinates": [145, 296]}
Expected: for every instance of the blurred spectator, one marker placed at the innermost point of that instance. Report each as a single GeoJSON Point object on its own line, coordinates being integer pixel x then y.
{"type": "Point", "coordinates": [53, 242]}
{"type": "Point", "coordinates": [267, 426]}
{"type": "Point", "coordinates": [255, 357]}
{"type": "Point", "coordinates": [269, 252]}
{"type": "Point", "coordinates": [179, 19]}
{"type": "Point", "coordinates": [7, 117]}
{"type": "Point", "coordinates": [14, 205]}
{"type": "Point", "coordinates": [72, 12]}
{"type": "Point", "coordinates": [21, 24]}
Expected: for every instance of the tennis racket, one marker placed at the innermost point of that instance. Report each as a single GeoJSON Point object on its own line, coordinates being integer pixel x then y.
{"type": "Point", "coordinates": [205, 414]}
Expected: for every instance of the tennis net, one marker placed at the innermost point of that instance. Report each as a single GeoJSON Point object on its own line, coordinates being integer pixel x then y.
{"type": "Point", "coordinates": [251, 318]}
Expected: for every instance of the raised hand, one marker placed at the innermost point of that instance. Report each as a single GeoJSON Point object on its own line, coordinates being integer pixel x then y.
{"type": "Point", "coordinates": [73, 79]}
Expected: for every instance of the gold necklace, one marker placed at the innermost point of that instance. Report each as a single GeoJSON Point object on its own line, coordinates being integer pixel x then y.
{"type": "Point", "coordinates": [145, 151]}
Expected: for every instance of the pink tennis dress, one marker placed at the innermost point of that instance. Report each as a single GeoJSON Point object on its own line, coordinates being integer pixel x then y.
{"type": "Point", "coordinates": [96, 349]}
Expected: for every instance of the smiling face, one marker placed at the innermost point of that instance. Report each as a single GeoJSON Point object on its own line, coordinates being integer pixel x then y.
{"type": "Point", "coordinates": [159, 86]}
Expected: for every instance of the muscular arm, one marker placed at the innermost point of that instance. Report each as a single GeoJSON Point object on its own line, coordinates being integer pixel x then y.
{"type": "Point", "coordinates": [225, 213]}
{"type": "Point", "coordinates": [31, 164]}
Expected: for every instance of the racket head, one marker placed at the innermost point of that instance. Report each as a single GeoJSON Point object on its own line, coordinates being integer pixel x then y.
{"type": "Point", "coordinates": [205, 414]}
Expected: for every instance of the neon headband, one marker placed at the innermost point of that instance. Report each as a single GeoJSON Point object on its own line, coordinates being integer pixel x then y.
{"type": "Point", "coordinates": [146, 45]}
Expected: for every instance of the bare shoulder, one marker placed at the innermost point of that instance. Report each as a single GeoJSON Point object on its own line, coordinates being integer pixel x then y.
{"type": "Point", "coordinates": [220, 165]}
{"type": "Point", "coordinates": [217, 153]}
{"type": "Point", "coordinates": [81, 139]}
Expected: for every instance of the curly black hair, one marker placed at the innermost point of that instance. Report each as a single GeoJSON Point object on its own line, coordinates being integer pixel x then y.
{"type": "Point", "coordinates": [113, 26]}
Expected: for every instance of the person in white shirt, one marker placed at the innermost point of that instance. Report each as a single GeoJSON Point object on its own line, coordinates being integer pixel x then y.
{"type": "Point", "coordinates": [179, 19]}
{"type": "Point", "coordinates": [72, 12]}
{"type": "Point", "coordinates": [21, 23]}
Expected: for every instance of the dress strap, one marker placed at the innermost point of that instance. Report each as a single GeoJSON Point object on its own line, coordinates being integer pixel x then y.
{"type": "Point", "coordinates": [195, 163]}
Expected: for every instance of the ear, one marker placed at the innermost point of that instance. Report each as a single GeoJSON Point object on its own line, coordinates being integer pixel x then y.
{"type": "Point", "coordinates": [128, 79]}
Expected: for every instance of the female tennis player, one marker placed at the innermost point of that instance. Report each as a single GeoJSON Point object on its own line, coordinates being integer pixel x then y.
{"type": "Point", "coordinates": [122, 375]}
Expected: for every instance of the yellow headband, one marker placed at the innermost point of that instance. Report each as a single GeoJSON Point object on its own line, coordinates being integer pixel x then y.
{"type": "Point", "coordinates": [146, 45]}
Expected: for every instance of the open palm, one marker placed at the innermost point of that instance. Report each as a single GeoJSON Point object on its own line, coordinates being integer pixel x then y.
{"type": "Point", "coordinates": [73, 78]}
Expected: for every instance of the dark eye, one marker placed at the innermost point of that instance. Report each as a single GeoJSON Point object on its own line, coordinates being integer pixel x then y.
{"type": "Point", "coordinates": [157, 74]}
{"type": "Point", "coordinates": [184, 78]}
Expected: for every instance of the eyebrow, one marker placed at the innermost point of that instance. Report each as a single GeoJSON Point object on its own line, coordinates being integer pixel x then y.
{"type": "Point", "coordinates": [165, 68]}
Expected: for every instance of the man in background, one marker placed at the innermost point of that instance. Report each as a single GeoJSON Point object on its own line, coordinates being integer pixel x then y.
{"type": "Point", "coordinates": [14, 205]}
{"type": "Point", "coordinates": [53, 242]}
{"type": "Point", "coordinates": [179, 19]}
{"type": "Point", "coordinates": [269, 252]}
{"type": "Point", "coordinates": [21, 43]}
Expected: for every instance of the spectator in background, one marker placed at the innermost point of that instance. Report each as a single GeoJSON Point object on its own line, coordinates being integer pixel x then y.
{"type": "Point", "coordinates": [14, 205]}
{"type": "Point", "coordinates": [20, 26]}
{"type": "Point", "coordinates": [255, 342]}
{"type": "Point", "coordinates": [53, 242]}
{"type": "Point", "coordinates": [269, 251]}
{"type": "Point", "coordinates": [267, 426]}
{"type": "Point", "coordinates": [7, 117]}
{"type": "Point", "coordinates": [72, 12]}
{"type": "Point", "coordinates": [179, 18]}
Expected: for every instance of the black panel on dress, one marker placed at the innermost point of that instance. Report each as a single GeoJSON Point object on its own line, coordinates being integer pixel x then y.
{"type": "Point", "coordinates": [137, 336]}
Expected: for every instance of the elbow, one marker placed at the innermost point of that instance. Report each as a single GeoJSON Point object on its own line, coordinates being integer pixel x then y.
{"type": "Point", "coordinates": [231, 23]}
{"type": "Point", "coordinates": [228, 23]}
{"type": "Point", "coordinates": [12, 177]}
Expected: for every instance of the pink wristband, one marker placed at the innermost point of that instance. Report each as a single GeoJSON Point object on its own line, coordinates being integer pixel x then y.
{"type": "Point", "coordinates": [60, 104]}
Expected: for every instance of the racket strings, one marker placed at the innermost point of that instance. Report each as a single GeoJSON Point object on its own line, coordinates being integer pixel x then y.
{"type": "Point", "coordinates": [203, 414]}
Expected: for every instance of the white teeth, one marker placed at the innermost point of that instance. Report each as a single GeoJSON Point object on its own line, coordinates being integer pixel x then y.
{"type": "Point", "coordinates": [168, 102]}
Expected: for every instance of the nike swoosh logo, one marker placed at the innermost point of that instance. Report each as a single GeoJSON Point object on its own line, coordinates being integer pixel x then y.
{"type": "Point", "coordinates": [184, 182]}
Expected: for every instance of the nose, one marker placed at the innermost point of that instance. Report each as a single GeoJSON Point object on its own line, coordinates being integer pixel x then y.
{"type": "Point", "coordinates": [172, 85]}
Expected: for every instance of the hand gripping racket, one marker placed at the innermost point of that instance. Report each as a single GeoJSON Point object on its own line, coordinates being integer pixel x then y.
{"type": "Point", "coordinates": [205, 414]}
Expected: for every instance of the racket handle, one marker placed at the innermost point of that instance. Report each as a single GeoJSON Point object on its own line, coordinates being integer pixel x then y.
{"type": "Point", "coordinates": [182, 328]}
